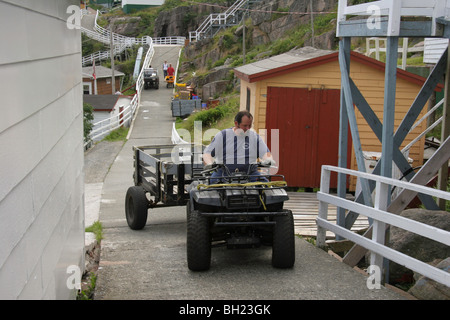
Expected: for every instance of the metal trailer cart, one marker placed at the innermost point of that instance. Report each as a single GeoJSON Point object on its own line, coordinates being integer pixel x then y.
{"type": "Point", "coordinates": [163, 172]}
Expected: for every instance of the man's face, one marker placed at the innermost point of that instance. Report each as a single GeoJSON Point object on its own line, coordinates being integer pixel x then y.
{"type": "Point", "coordinates": [245, 124]}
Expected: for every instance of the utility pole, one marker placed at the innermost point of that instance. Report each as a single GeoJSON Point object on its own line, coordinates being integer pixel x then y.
{"type": "Point", "coordinates": [312, 23]}
{"type": "Point", "coordinates": [243, 38]}
{"type": "Point", "coordinates": [113, 80]}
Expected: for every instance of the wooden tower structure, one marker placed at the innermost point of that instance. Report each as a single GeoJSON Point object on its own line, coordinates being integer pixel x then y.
{"type": "Point", "coordinates": [392, 19]}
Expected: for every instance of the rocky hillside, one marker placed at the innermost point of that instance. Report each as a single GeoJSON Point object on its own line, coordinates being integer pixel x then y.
{"type": "Point", "coordinates": [272, 27]}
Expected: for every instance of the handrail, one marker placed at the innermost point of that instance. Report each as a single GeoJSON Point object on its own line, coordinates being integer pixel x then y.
{"type": "Point", "coordinates": [129, 112]}
{"type": "Point", "coordinates": [216, 19]}
{"type": "Point", "coordinates": [428, 129]}
{"type": "Point", "coordinates": [380, 217]}
{"type": "Point", "coordinates": [121, 42]}
{"type": "Point", "coordinates": [105, 126]}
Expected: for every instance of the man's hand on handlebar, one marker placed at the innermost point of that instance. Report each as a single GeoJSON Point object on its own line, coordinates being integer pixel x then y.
{"type": "Point", "coordinates": [209, 167]}
{"type": "Point", "coordinates": [268, 162]}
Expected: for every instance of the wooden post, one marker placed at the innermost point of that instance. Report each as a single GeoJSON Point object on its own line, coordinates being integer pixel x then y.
{"type": "Point", "coordinates": [404, 53]}
{"type": "Point", "coordinates": [113, 80]}
{"type": "Point", "coordinates": [443, 172]}
{"type": "Point", "coordinates": [343, 139]}
{"type": "Point", "coordinates": [387, 148]}
{"type": "Point", "coordinates": [345, 84]}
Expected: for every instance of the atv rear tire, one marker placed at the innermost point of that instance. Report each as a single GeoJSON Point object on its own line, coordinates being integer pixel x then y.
{"type": "Point", "coordinates": [198, 242]}
{"type": "Point", "coordinates": [283, 248]}
{"type": "Point", "coordinates": [136, 207]}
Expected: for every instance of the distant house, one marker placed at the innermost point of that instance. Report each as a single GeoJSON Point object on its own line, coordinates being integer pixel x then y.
{"type": "Point", "coordinates": [104, 80]}
{"type": "Point", "coordinates": [107, 110]}
{"type": "Point", "coordinates": [105, 3]}
{"type": "Point", "coordinates": [298, 93]}
{"type": "Point", "coordinates": [130, 5]}
{"type": "Point", "coordinates": [103, 105]}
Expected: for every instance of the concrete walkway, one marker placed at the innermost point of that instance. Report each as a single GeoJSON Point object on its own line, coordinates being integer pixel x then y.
{"type": "Point", "coordinates": [151, 263]}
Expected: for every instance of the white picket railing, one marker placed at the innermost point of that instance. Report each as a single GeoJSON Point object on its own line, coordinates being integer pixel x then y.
{"type": "Point", "coordinates": [380, 219]}
{"type": "Point", "coordinates": [178, 41]}
{"type": "Point", "coordinates": [121, 42]}
{"type": "Point", "coordinates": [126, 116]}
{"type": "Point", "coordinates": [217, 19]}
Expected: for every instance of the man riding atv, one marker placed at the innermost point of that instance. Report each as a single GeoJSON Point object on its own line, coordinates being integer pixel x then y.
{"type": "Point", "coordinates": [237, 147]}
{"type": "Point", "coordinates": [237, 206]}
{"type": "Point", "coordinates": [151, 78]}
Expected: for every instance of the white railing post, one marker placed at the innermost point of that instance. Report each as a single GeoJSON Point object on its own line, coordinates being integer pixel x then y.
{"type": "Point", "coordinates": [379, 228]}
{"type": "Point", "coordinates": [323, 207]}
{"type": "Point", "coordinates": [381, 218]}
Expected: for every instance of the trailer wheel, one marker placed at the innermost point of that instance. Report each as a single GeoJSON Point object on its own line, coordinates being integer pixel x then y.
{"type": "Point", "coordinates": [136, 207]}
{"type": "Point", "coordinates": [283, 248]}
{"type": "Point", "coordinates": [198, 242]}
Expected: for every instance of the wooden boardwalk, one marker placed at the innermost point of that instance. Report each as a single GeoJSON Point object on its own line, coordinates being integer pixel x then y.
{"type": "Point", "coordinates": [305, 208]}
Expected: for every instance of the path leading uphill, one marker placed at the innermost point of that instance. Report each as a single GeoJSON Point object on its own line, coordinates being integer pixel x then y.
{"type": "Point", "coordinates": [151, 263]}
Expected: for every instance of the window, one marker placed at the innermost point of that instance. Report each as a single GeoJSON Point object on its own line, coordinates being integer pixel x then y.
{"type": "Point", "coordinates": [87, 88]}
{"type": "Point", "coordinates": [247, 107]}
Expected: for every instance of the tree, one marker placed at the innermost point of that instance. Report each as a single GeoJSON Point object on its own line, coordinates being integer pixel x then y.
{"type": "Point", "coordinates": [88, 116]}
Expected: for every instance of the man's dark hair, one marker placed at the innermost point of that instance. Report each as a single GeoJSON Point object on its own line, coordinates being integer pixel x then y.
{"type": "Point", "coordinates": [240, 114]}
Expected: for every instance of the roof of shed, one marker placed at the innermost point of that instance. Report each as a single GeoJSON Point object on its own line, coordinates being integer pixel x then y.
{"type": "Point", "coordinates": [280, 61]}
{"type": "Point", "coordinates": [308, 57]}
{"type": "Point", "coordinates": [101, 72]}
{"type": "Point", "coordinates": [101, 102]}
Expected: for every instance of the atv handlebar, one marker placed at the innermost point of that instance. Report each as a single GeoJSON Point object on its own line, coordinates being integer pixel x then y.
{"type": "Point", "coordinates": [215, 166]}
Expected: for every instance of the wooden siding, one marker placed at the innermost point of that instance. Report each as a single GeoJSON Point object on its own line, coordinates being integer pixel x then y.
{"type": "Point", "coordinates": [370, 82]}
{"type": "Point", "coordinates": [305, 209]}
{"type": "Point", "coordinates": [434, 48]}
{"type": "Point", "coordinates": [102, 86]}
{"type": "Point", "coordinates": [308, 121]}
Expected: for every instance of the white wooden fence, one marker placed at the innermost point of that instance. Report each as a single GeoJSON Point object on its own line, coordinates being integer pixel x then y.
{"type": "Point", "coordinates": [380, 219]}
{"type": "Point", "coordinates": [217, 19]}
{"type": "Point", "coordinates": [124, 117]}
{"type": "Point", "coordinates": [121, 42]}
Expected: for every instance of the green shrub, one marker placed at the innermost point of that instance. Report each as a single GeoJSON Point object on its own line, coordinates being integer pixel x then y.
{"type": "Point", "coordinates": [119, 134]}
{"type": "Point", "coordinates": [88, 117]}
{"type": "Point", "coordinates": [211, 116]}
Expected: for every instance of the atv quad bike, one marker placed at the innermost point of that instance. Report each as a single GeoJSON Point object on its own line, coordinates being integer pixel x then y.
{"type": "Point", "coordinates": [239, 213]}
{"type": "Point", "coordinates": [151, 78]}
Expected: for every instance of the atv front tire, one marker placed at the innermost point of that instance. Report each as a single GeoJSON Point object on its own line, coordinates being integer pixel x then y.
{"type": "Point", "coordinates": [198, 242]}
{"type": "Point", "coordinates": [283, 248]}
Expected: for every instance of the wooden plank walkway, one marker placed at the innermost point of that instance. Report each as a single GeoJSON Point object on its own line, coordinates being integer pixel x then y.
{"type": "Point", "coordinates": [305, 208]}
